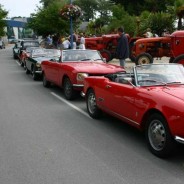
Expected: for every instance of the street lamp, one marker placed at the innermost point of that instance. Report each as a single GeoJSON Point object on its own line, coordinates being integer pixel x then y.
{"type": "Point", "coordinates": [71, 29]}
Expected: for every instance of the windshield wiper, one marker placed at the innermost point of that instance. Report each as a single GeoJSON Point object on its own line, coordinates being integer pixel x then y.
{"type": "Point", "coordinates": [87, 59]}
{"type": "Point", "coordinates": [174, 82]}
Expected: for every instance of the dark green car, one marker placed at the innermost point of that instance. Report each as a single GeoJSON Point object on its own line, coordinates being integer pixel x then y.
{"type": "Point", "coordinates": [33, 62]}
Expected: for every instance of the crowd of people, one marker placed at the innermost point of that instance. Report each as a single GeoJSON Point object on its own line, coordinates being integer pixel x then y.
{"type": "Point", "coordinates": [66, 42]}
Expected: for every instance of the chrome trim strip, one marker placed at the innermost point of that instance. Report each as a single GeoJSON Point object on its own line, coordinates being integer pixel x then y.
{"type": "Point", "coordinates": [38, 72]}
{"type": "Point", "coordinates": [179, 139]}
{"type": "Point", "coordinates": [78, 85]}
{"type": "Point", "coordinates": [134, 122]}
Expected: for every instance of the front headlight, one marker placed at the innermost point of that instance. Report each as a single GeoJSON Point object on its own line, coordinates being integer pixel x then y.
{"type": "Point", "coordinates": [81, 76]}
{"type": "Point", "coordinates": [38, 65]}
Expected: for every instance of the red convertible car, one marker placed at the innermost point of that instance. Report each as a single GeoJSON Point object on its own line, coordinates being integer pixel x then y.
{"type": "Point", "coordinates": [151, 98]}
{"type": "Point", "coordinates": [74, 66]}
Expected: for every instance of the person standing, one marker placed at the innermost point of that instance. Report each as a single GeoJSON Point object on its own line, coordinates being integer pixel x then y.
{"type": "Point", "coordinates": [122, 50]}
{"type": "Point", "coordinates": [82, 41]}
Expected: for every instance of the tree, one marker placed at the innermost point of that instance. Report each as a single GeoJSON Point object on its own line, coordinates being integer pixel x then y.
{"type": "Point", "coordinates": [48, 20]}
{"type": "Point", "coordinates": [3, 14]}
{"type": "Point", "coordinates": [121, 18]}
{"type": "Point", "coordinates": [156, 21]}
{"type": "Point", "coordinates": [179, 9]}
{"type": "Point", "coordinates": [89, 8]}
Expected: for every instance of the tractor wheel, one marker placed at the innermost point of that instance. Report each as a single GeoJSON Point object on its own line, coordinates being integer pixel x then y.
{"type": "Point", "coordinates": [106, 54]}
{"type": "Point", "coordinates": [144, 58]}
{"type": "Point", "coordinates": [171, 59]}
{"type": "Point", "coordinates": [131, 48]}
{"type": "Point", "coordinates": [179, 59]}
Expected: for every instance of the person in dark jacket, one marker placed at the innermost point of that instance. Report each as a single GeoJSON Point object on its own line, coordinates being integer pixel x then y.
{"type": "Point", "coordinates": [122, 51]}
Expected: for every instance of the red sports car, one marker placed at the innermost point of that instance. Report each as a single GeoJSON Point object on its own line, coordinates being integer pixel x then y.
{"type": "Point", "coordinates": [73, 67]}
{"type": "Point", "coordinates": [151, 98]}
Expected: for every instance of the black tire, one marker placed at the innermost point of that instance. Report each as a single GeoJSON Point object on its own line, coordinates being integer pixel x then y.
{"type": "Point", "coordinates": [131, 46]}
{"type": "Point", "coordinates": [179, 59]}
{"type": "Point", "coordinates": [143, 58]}
{"type": "Point", "coordinates": [21, 63]}
{"type": "Point", "coordinates": [14, 56]}
{"type": "Point", "coordinates": [27, 71]}
{"type": "Point", "coordinates": [158, 136]}
{"type": "Point", "coordinates": [46, 83]}
{"type": "Point", "coordinates": [92, 108]}
{"type": "Point", "coordinates": [106, 54]}
{"type": "Point", "coordinates": [171, 59]}
{"type": "Point", "coordinates": [69, 92]}
{"type": "Point", "coordinates": [34, 75]}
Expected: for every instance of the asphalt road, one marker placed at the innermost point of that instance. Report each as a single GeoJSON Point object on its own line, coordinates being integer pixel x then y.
{"type": "Point", "coordinates": [45, 139]}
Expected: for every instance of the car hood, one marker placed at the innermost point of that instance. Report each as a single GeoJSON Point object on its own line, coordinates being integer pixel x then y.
{"type": "Point", "coordinates": [94, 67]}
{"type": "Point", "coordinates": [175, 91]}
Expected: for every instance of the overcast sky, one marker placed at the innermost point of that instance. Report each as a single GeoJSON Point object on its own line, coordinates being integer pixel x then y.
{"type": "Point", "coordinates": [21, 8]}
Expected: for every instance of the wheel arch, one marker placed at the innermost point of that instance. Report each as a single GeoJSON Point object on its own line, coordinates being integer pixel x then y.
{"type": "Point", "coordinates": [147, 115]}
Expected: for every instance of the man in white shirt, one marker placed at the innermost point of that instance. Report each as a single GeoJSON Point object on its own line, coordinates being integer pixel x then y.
{"type": "Point", "coordinates": [82, 42]}
{"type": "Point", "coordinates": [66, 44]}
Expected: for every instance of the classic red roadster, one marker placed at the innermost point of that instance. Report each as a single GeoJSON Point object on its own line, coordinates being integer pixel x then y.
{"type": "Point", "coordinates": [151, 98]}
{"type": "Point", "coordinates": [74, 66]}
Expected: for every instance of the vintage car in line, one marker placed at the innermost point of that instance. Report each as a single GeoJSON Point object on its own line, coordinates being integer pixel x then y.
{"type": "Point", "coordinates": [24, 44]}
{"type": "Point", "coordinates": [35, 58]}
{"type": "Point", "coordinates": [75, 65]}
{"type": "Point", "coordinates": [150, 98]}
{"type": "Point", "coordinates": [26, 54]}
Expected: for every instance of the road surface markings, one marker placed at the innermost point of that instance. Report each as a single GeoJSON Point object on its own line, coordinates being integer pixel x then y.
{"type": "Point", "coordinates": [70, 104]}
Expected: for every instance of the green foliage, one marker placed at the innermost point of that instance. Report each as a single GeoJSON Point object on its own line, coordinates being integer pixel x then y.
{"type": "Point", "coordinates": [48, 20]}
{"type": "Point", "coordinates": [88, 7]}
{"type": "Point", "coordinates": [157, 22]}
{"type": "Point", "coordinates": [3, 14]}
{"type": "Point", "coordinates": [121, 18]}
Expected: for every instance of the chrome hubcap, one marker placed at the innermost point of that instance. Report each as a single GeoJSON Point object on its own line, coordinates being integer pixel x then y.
{"type": "Point", "coordinates": [144, 60]}
{"type": "Point", "coordinates": [157, 135]}
{"type": "Point", "coordinates": [91, 103]}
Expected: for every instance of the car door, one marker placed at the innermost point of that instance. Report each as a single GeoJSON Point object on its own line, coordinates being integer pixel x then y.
{"type": "Point", "coordinates": [53, 71]}
{"type": "Point", "coordinates": [120, 99]}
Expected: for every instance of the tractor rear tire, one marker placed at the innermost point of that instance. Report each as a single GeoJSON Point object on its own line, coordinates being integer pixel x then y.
{"type": "Point", "coordinates": [106, 54]}
{"type": "Point", "coordinates": [179, 59]}
{"type": "Point", "coordinates": [144, 58]}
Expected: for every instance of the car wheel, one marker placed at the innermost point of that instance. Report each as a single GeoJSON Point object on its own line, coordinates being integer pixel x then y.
{"type": "Point", "coordinates": [21, 63]}
{"type": "Point", "coordinates": [46, 83]}
{"type": "Point", "coordinates": [14, 56]}
{"type": "Point", "coordinates": [34, 75]}
{"type": "Point", "coordinates": [69, 92]}
{"type": "Point", "coordinates": [27, 71]}
{"type": "Point", "coordinates": [92, 108]}
{"type": "Point", "coordinates": [144, 58]}
{"type": "Point", "coordinates": [158, 136]}
{"type": "Point", "coordinates": [179, 59]}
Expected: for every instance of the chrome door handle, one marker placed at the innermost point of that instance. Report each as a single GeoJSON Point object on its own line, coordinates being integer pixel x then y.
{"type": "Point", "coordinates": [108, 86]}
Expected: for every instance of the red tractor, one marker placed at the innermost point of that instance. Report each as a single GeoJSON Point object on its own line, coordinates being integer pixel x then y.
{"type": "Point", "coordinates": [170, 46]}
{"type": "Point", "coordinates": [107, 44]}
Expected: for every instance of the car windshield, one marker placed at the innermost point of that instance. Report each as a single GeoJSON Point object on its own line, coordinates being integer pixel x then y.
{"type": "Point", "coordinates": [159, 74]}
{"type": "Point", "coordinates": [29, 49]}
{"type": "Point", "coordinates": [52, 53]}
{"type": "Point", "coordinates": [31, 44]}
{"type": "Point", "coordinates": [81, 55]}
{"type": "Point", "coordinates": [39, 52]}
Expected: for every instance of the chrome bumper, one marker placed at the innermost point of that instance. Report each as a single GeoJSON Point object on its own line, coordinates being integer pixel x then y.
{"type": "Point", "coordinates": [179, 139]}
{"type": "Point", "coordinates": [78, 85]}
